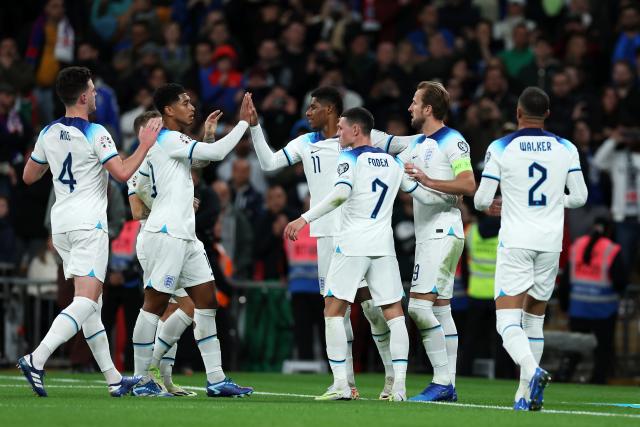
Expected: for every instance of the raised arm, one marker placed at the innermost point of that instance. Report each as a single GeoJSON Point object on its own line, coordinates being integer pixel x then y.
{"type": "Point", "coordinates": [269, 161]}
{"type": "Point", "coordinates": [121, 169]}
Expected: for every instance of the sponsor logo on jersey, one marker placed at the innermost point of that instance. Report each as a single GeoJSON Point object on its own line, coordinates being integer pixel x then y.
{"type": "Point", "coordinates": [342, 168]}
{"type": "Point", "coordinates": [169, 282]}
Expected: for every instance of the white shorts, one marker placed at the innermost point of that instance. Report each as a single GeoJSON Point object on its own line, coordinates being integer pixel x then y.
{"type": "Point", "coordinates": [326, 248]}
{"type": "Point", "coordinates": [174, 263]}
{"type": "Point", "coordinates": [435, 266]}
{"type": "Point", "coordinates": [525, 270]}
{"type": "Point", "coordinates": [382, 275]}
{"type": "Point", "coordinates": [179, 293]}
{"type": "Point", "coordinates": [83, 252]}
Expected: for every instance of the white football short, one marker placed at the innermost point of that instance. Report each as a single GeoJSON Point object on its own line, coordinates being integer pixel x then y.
{"type": "Point", "coordinates": [83, 252]}
{"type": "Point", "coordinates": [173, 263]}
{"type": "Point", "coordinates": [381, 273]}
{"type": "Point", "coordinates": [179, 293]}
{"type": "Point", "coordinates": [326, 248]}
{"type": "Point", "coordinates": [525, 270]}
{"type": "Point", "coordinates": [435, 266]}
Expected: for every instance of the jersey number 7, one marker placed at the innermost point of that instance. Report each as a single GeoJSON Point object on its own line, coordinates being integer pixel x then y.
{"type": "Point", "coordinates": [374, 186]}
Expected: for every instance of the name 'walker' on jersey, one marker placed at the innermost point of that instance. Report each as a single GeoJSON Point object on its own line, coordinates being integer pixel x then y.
{"type": "Point", "coordinates": [532, 167]}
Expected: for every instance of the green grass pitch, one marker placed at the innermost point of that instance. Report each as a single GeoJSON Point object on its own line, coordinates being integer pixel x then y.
{"type": "Point", "coordinates": [286, 400]}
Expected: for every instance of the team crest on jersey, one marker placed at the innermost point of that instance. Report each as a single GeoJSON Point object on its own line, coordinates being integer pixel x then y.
{"type": "Point", "coordinates": [169, 282]}
{"type": "Point", "coordinates": [184, 138]}
{"type": "Point", "coordinates": [342, 168]}
{"type": "Point", "coordinates": [463, 146]}
{"type": "Point", "coordinates": [428, 154]}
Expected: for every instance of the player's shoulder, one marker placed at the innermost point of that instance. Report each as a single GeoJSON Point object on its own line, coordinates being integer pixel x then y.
{"type": "Point", "coordinates": [561, 141]}
{"type": "Point", "coordinates": [88, 129]}
{"type": "Point", "coordinates": [446, 136]}
{"type": "Point", "coordinates": [166, 135]}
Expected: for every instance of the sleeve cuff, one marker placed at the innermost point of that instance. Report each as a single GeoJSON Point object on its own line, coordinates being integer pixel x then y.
{"type": "Point", "coordinates": [109, 157]}
{"type": "Point", "coordinates": [35, 159]}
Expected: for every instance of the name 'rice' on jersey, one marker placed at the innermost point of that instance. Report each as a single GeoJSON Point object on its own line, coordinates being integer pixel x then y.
{"type": "Point", "coordinates": [168, 166]}
{"type": "Point", "coordinates": [319, 157]}
{"type": "Point", "coordinates": [442, 155]}
{"type": "Point", "coordinates": [375, 178]}
{"type": "Point", "coordinates": [532, 167]}
{"type": "Point", "coordinates": [75, 150]}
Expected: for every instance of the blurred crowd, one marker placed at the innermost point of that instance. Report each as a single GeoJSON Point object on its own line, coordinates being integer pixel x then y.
{"type": "Point", "coordinates": [585, 54]}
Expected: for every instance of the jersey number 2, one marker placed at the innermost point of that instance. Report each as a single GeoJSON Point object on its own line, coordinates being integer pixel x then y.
{"type": "Point", "coordinates": [66, 170]}
{"type": "Point", "coordinates": [542, 200]}
{"type": "Point", "coordinates": [374, 186]}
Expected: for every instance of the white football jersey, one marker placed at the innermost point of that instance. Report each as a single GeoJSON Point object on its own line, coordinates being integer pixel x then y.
{"type": "Point", "coordinates": [75, 151]}
{"type": "Point", "coordinates": [442, 155]}
{"type": "Point", "coordinates": [375, 178]}
{"type": "Point", "coordinates": [168, 166]}
{"type": "Point", "coordinates": [142, 189]}
{"type": "Point", "coordinates": [531, 166]}
{"type": "Point", "coordinates": [319, 157]}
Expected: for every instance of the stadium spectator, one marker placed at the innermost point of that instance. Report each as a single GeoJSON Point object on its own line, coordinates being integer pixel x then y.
{"type": "Point", "coordinates": [540, 71]}
{"type": "Point", "coordinates": [174, 55]}
{"type": "Point", "coordinates": [520, 55]}
{"type": "Point", "coordinates": [15, 134]}
{"type": "Point", "coordinates": [503, 30]}
{"type": "Point", "coordinates": [13, 69]}
{"type": "Point", "coordinates": [429, 26]}
{"type": "Point", "coordinates": [629, 38]}
{"type": "Point", "coordinates": [244, 197]}
{"type": "Point", "coordinates": [236, 233]}
{"type": "Point", "coordinates": [7, 235]}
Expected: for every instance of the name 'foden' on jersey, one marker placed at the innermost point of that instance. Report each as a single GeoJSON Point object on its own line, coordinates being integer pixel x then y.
{"type": "Point", "coordinates": [380, 163]}
{"type": "Point", "coordinates": [535, 146]}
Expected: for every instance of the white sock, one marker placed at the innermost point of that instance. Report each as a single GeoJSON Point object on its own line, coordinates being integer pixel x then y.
{"type": "Point", "coordinates": [143, 339]}
{"type": "Point", "coordinates": [380, 332]}
{"type": "Point", "coordinates": [336, 339]}
{"type": "Point", "coordinates": [348, 329]}
{"type": "Point", "coordinates": [399, 347]}
{"type": "Point", "coordinates": [166, 365]}
{"type": "Point", "coordinates": [533, 327]}
{"type": "Point", "coordinates": [96, 338]}
{"type": "Point", "coordinates": [515, 341]}
{"type": "Point", "coordinates": [169, 333]}
{"type": "Point", "coordinates": [206, 336]}
{"type": "Point", "coordinates": [443, 314]}
{"type": "Point", "coordinates": [421, 311]}
{"type": "Point", "coordinates": [64, 326]}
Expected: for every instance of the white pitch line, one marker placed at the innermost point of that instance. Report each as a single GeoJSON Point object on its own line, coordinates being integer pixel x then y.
{"type": "Point", "coordinates": [265, 393]}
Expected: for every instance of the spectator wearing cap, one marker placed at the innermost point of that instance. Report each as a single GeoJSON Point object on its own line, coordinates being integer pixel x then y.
{"type": "Point", "coordinates": [13, 69]}
{"type": "Point", "coordinates": [226, 81]}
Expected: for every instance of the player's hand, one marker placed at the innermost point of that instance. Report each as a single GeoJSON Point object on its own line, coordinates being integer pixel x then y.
{"type": "Point", "coordinates": [253, 113]}
{"type": "Point", "coordinates": [211, 124]}
{"type": "Point", "coordinates": [292, 229]}
{"type": "Point", "coordinates": [495, 208]}
{"type": "Point", "coordinates": [149, 133]}
{"type": "Point", "coordinates": [244, 108]}
{"type": "Point", "coordinates": [416, 173]}
{"type": "Point", "coordinates": [196, 204]}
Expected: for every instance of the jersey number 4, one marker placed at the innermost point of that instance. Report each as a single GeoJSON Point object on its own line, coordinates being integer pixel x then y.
{"type": "Point", "coordinates": [66, 170]}
{"type": "Point", "coordinates": [374, 187]}
{"type": "Point", "coordinates": [542, 200]}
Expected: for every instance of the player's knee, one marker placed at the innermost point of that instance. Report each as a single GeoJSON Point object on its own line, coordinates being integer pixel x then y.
{"type": "Point", "coordinates": [421, 311]}
{"type": "Point", "coordinates": [506, 319]}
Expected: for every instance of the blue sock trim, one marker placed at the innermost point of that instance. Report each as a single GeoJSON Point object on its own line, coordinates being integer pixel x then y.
{"type": "Point", "coordinates": [510, 326]}
{"type": "Point", "coordinates": [95, 335]}
{"type": "Point", "coordinates": [400, 361]}
{"type": "Point", "coordinates": [451, 336]}
{"type": "Point", "coordinates": [143, 344]}
{"type": "Point", "coordinates": [210, 337]}
{"type": "Point", "coordinates": [536, 339]}
{"type": "Point", "coordinates": [349, 342]}
{"type": "Point", "coordinates": [164, 342]}
{"type": "Point", "coordinates": [168, 358]}
{"type": "Point", "coordinates": [72, 319]}
{"type": "Point", "coordinates": [380, 335]}
{"type": "Point", "coordinates": [430, 329]}
{"type": "Point", "coordinates": [337, 362]}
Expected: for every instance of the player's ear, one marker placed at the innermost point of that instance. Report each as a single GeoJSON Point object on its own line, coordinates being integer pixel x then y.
{"type": "Point", "coordinates": [547, 114]}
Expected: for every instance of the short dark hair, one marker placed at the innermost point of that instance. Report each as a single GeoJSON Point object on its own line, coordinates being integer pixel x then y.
{"type": "Point", "coordinates": [143, 118]}
{"type": "Point", "coordinates": [436, 95]}
{"type": "Point", "coordinates": [534, 101]}
{"type": "Point", "coordinates": [166, 95]}
{"type": "Point", "coordinates": [329, 95]}
{"type": "Point", "coordinates": [71, 82]}
{"type": "Point", "coordinates": [360, 116]}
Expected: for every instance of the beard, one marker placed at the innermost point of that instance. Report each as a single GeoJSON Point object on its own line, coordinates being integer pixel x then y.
{"type": "Point", "coordinates": [417, 123]}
